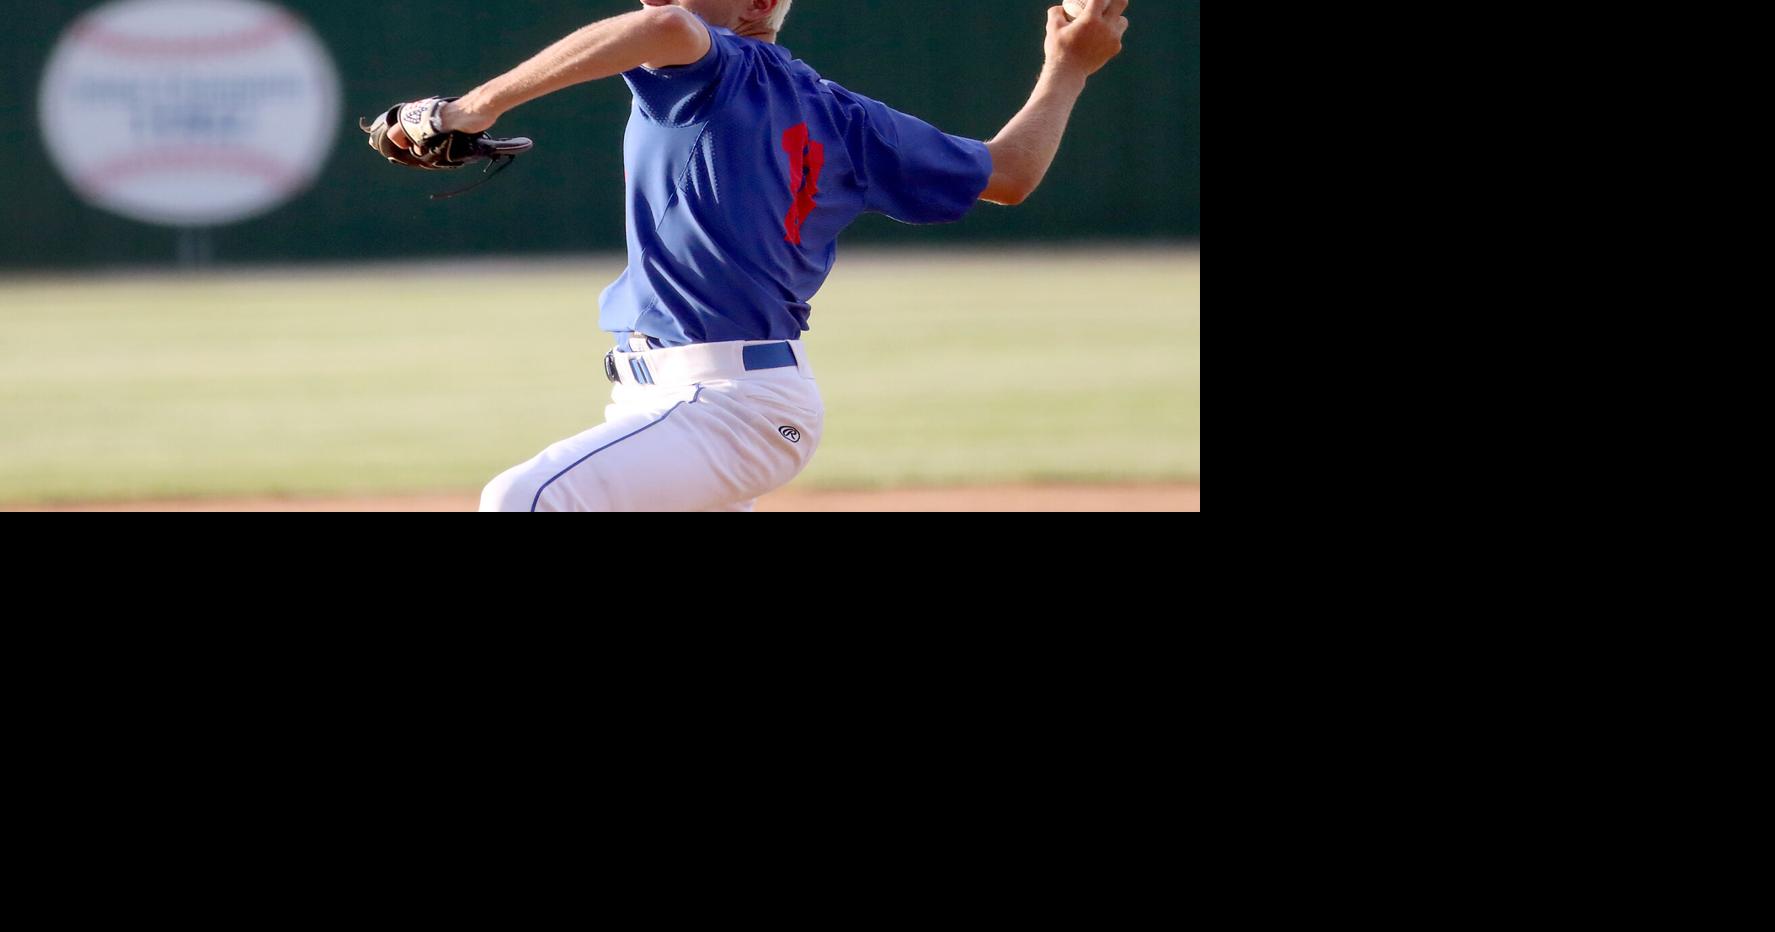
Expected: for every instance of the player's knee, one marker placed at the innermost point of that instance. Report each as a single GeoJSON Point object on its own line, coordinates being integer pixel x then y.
{"type": "Point", "coordinates": [512, 490]}
{"type": "Point", "coordinates": [541, 486]}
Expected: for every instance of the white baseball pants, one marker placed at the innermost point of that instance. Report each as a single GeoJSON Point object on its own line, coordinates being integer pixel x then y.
{"type": "Point", "coordinates": [688, 428]}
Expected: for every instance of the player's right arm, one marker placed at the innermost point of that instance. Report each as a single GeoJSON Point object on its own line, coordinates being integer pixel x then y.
{"type": "Point", "coordinates": [658, 37]}
{"type": "Point", "coordinates": [1024, 151]}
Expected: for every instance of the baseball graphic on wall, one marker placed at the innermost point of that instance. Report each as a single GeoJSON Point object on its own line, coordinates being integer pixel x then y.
{"type": "Point", "coordinates": [189, 112]}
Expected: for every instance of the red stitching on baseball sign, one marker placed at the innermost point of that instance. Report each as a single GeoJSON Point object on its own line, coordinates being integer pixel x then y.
{"type": "Point", "coordinates": [119, 169]}
{"type": "Point", "coordinates": [273, 28]}
{"type": "Point", "coordinates": [807, 159]}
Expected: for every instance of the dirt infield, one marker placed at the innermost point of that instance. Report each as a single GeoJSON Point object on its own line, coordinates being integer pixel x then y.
{"type": "Point", "coordinates": [1120, 498]}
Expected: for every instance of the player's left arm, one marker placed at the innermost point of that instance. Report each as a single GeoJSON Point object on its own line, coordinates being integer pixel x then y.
{"type": "Point", "coordinates": [658, 37]}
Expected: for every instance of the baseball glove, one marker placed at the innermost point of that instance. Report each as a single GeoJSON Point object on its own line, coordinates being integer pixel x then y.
{"type": "Point", "coordinates": [436, 150]}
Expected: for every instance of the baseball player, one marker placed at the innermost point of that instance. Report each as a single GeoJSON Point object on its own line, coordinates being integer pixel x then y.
{"type": "Point", "coordinates": [743, 166]}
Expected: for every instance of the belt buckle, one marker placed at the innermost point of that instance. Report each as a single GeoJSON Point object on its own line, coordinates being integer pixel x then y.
{"type": "Point", "coordinates": [610, 366]}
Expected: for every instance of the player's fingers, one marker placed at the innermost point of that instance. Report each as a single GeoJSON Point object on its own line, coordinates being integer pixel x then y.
{"type": "Point", "coordinates": [1115, 8]}
{"type": "Point", "coordinates": [1121, 25]}
{"type": "Point", "coordinates": [398, 136]}
{"type": "Point", "coordinates": [1095, 7]}
{"type": "Point", "coordinates": [1057, 18]}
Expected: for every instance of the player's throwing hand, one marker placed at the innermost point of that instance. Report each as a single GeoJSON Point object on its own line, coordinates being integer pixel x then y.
{"type": "Point", "coordinates": [1087, 43]}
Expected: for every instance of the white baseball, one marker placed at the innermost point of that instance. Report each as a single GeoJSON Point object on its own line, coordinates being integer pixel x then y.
{"type": "Point", "coordinates": [189, 112]}
{"type": "Point", "coordinates": [1074, 8]}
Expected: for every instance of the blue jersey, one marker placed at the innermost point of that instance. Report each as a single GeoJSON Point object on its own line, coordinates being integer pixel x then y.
{"type": "Point", "coordinates": [742, 169]}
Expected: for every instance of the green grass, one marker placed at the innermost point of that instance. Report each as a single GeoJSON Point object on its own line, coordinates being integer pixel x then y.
{"type": "Point", "coordinates": [971, 368]}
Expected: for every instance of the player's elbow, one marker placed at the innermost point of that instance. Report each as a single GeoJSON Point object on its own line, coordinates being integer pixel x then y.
{"type": "Point", "coordinates": [1008, 189]}
{"type": "Point", "coordinates": [1015, 176]}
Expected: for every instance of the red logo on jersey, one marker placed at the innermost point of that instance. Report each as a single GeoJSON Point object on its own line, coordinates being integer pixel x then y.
{"type": "Point", "coordinates": [806, 159]}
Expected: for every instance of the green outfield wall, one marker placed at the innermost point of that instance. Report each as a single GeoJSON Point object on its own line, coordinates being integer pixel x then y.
{"type": "Point", "coordinates": [1130, 169]}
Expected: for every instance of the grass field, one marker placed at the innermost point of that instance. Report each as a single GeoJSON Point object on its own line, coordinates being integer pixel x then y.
{"type": "Point", "coordinates": [965, 369]}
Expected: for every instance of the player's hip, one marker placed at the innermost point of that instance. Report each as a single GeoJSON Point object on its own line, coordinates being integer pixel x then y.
{"type": "Point", "coordinates": [764, 389]}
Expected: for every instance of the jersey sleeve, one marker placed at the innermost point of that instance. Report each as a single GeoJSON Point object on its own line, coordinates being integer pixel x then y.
{"type": "Point", "coordinates": [917, 173]}
{"type": "Point", "coordinates": [684, 94]}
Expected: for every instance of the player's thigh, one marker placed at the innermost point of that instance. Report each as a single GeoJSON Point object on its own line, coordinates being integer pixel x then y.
{"type": "Point", "coordinates": [709, 452]}
{"type": "Point", "coordinates": [520, 488]}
